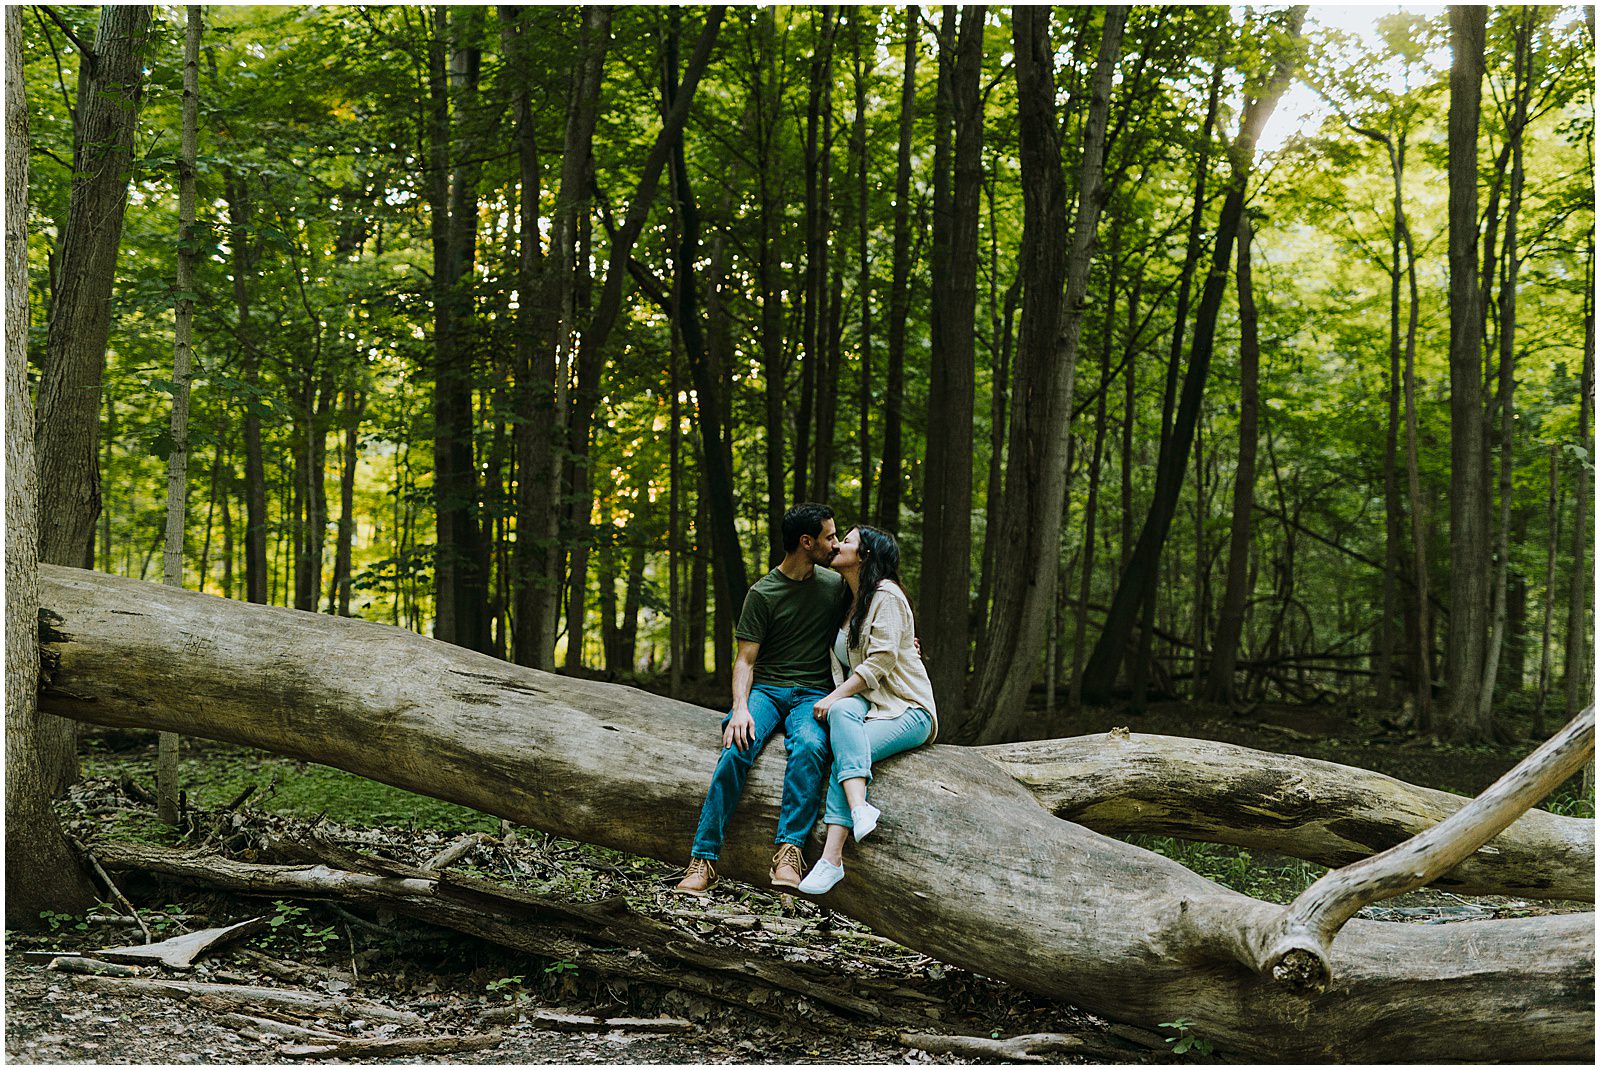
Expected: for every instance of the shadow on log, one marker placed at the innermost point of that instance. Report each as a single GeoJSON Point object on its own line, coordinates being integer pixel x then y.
{"type": "Point", "coordinates": [966, 865]}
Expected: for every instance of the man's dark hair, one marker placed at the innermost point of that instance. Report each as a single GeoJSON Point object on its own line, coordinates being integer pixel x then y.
{"type": "Point", "coordinates": [804, 519]}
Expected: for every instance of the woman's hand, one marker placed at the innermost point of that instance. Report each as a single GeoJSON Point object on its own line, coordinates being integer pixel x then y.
{"type": "Point", "coordinates": [822, 706]}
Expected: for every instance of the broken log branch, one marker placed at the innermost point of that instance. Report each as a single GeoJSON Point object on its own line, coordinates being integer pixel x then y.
{"type": "Point", "coordinates": [1295, 947]}
{"type": "Point", "coordinates": [1333, 815]}
{"type": "Point", "coordinates": [966, 865]}
{"type": "Point", "coordinates": [1027, 1048]}
{"type": "Point", "coordinates": [309, 1004]}
{"type": "Point", "coordinates": [392, 1047]}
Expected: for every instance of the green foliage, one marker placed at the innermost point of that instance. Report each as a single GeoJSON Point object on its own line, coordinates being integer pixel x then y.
{"type": "Point", "coordinates": [1186, 1042]}
{"type": "Point", "coordinates": [1236, 867]}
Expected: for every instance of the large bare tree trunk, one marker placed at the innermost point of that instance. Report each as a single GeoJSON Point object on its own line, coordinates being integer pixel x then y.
{"type": "Point", "coordinates": [982, 874]}
{"type": "Point", "coordinates": [1037, 461]}
{"type": "Point", "coordinates": [41, 872]}
{"type": "Point", "coordinates": [1230, 625]}
{"type": "Point", "coordinates": [1465, 647]}
{"type": "Point", "coordinates": [68, 425]}
{"type": "Point", "coordinates": [1581, 596]}
{"type": "Point", "coordinates": [182, 360]}
{"type": "Point", "coordinates": [945, 586]}
{"type": "Point", "coordinates": [889, 480]}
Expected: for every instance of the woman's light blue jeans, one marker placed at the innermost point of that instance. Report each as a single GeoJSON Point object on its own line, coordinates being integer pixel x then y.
{"type": "Point", "coordinates": [858, 742]}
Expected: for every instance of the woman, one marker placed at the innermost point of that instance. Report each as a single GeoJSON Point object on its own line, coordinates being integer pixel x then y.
{"type": "Point", "coordinates": [882, 700]}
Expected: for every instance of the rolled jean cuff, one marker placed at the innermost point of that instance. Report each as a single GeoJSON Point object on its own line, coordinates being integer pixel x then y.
{"type": "Point", "coordinates": [843, 774]}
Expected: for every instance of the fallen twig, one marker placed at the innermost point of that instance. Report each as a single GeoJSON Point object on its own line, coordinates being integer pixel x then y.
{"type": "Point", "coordinates": [111, 887]}
{"type": "Point", "coordinates": [392, 1046]}
{"type": "Point", "coordinates": [315, 1004]}
{"type": "Point", "coordinates": [271, 1027]}
{"type": "Point", "coordinates": [584, 1023]}
{"type": "Point", "coordinates": [97, 967]}
{"type": "Point", "coordinates": [455, 851]}
{"type": "Point", "coordinates": [1027, 1048]}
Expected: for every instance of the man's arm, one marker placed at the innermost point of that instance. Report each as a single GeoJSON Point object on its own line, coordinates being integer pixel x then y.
{"type": "Point", "coordinates": [741, 728]}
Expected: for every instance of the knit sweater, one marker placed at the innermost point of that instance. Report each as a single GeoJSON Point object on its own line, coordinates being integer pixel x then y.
{"type": "Point", "coordinates": [886, 658]}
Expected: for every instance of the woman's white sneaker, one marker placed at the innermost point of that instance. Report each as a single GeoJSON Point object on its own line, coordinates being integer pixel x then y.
{"type": "Point", "coordinates": [823, 876]}
{"type": "Point", "coordinates": [864, 819]}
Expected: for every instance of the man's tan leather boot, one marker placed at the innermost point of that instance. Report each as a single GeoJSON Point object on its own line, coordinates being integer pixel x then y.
{"type": "Point", "coordinates": [788, 867]}
{"type": "Point", "coordinates": [699, 878]}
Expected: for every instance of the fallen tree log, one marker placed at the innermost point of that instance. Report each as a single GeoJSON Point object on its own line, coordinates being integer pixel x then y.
{"type": "Point", "coordinates": [1333, 815]}
{"type": "Point", "coordinates": [966, 865]}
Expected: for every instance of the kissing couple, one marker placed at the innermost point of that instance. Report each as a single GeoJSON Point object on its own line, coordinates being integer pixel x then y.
{"type": "Point", "coordinates": [828, 656]}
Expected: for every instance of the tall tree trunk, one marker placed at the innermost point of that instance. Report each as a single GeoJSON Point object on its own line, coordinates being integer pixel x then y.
{"type": "Point", "coordinates": [110, 83]}
{"type": "Point", "coordinates": [818, 223]}
{"type": "Point", "coordinates": [454, 60]}
{"type": "Point", "coordinates": [944, 609]}
{"type": "Point", "coordinates": [237, 194]}
{"type": "Point", "coordinates": [1580, 598]}
{"type": "Point", "coordinates": [545, 323]}
{"type": "Point", "coordinates": [633, 590]}
{"type": "Point", "coordinates": [1552, 545]}
{"type": "Point", "coordinates": [182, 360]}
{"type": "Point", "coordinates": [591, 350]}
{"type": "Point", "coordinates": [863, 38]}
{"type": "Point", "coordinates": [355, 409]}
{"type": "Point", "coordinates": [1056, 278]}
{"type": "Point", "coordinates": [1230, 625]}
{"type": "Point", "coordinates": [765, 108]}
{"type": "Point", "coordinates": [1393, 541]}
{"type": "Point", "coordinates": [714, 448]}
{"type": "Point", "coordinates": [1465, 649]}
{"type": "Point", "coordinates": [1522, 88]}
{"type": "Point", "coordinates": [42, 873]}
{"type": "Point", "coordinates": [1138, 578]}
{"type": "Point", "coordinates": [890, 478]}
{"type": "Point", "coordinates": [1420, 525]}
{"type": "Point", "coordinates": [694, 665]}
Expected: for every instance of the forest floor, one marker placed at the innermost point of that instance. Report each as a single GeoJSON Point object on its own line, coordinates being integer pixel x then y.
{"type": "Point", "coordinates": [458, 985]}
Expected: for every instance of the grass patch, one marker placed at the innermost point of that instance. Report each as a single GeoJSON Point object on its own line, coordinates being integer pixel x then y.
{"type": "Point", "coordinates": [1275, 879]}
{"type": "Point", "coordinates": [217, 775]}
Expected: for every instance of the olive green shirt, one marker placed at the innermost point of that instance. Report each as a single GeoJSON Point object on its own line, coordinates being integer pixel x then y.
{"type": "Point", "coordinates": [794, 621]}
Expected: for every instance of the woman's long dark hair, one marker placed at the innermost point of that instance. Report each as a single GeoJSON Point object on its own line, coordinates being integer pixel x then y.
{"type": "Point", "coordinates": [880, 560]}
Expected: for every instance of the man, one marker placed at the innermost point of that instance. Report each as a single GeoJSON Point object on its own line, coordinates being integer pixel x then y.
{"type": "Point", "coordinates": [785, 632]}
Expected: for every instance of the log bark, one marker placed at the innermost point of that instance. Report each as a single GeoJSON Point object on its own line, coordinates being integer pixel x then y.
{"type": "Point", "coordinates": [41, 872]}
{"type": "Point", "coordinates": [983, 876]}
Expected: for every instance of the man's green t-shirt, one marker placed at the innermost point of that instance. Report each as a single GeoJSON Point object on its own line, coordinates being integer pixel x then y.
{"type": "Point", "coordinates": [795, 622]}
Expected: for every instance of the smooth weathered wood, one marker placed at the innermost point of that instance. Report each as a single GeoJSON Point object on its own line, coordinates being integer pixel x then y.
{"type": "Point", "coordinates": [981, 875]}
{"type": "Point", "coordinates": [388, 1047]}
{"type": "Point", "coordinates": [312, 1004]}
{"type": "Point", "coordinates": [89, 966]}
{"type": "Point", "coordinates": [1295, 948]}
{"type": "Point", "coordinates": [1027, 1048]}
{"type": "Point", "coordinates": [1333, 815]}
{"type": "Point", "coordinates": [587, 1023]}
{"type": "Point", "coordinates": [181, 951]}
{"type": "Point", "coordinates": [266, 1028]}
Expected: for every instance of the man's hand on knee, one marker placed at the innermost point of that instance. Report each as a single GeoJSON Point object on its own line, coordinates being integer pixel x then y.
{"type": "Point", "coordinates": [740, 730]}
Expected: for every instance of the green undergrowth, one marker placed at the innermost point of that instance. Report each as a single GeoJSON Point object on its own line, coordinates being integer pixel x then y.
{"type": "Point", "coordinates": [219, 775]}
{"type": "Point", "coordinates": [1274, 878]}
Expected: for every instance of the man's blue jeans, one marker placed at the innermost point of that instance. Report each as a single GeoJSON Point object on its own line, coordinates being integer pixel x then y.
{"type": "Point", "coordinates": [806, 742]}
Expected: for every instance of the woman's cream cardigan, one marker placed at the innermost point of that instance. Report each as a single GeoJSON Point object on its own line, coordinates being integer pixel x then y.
{"type": "Point", "coordinates": [887, 660]}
